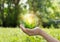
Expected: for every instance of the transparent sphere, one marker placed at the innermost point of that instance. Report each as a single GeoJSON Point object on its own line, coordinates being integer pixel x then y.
{"type": "Point", "coordinates": [29, 20]}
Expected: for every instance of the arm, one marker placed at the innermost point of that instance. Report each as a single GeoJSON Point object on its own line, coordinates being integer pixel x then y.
{"type": "Point", "coordinates": [47, 37]}
{"type": "Point", "coordinates": [38, 31]}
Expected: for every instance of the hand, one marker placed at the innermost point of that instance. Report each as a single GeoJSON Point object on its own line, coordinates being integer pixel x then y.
{"type": "Point", "coordinates": [30, 32]}
{"type": "Point", "coordinates": [38, 31]}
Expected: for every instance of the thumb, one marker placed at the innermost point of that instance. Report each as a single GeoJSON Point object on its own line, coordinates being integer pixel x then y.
{"type": "Point", "coordinates": [22, 27]}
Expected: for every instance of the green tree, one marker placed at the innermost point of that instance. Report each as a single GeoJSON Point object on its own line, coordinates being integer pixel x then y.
{"type": "Point", "coordinates": [12, 12]}
{"type": "Point", "coordinates": [46, 10]}
{"type": "Point", "coordinates": [2, 11]}
{"type": "Point", "coordinates": [9, 15]}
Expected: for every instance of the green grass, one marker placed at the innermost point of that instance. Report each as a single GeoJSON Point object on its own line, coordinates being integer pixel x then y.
{"type": "Point", "coordinates": [16, 35]}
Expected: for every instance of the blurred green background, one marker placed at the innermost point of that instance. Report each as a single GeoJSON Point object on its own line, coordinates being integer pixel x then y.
{"type": "Point", "coordinates": [47, 11]}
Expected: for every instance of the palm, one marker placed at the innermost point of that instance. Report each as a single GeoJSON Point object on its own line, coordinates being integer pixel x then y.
{"type": "Point", "coordinates": [30, 31]}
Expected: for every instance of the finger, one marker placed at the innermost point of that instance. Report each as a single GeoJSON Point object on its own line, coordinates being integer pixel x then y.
{"type": "Point", "coordinates": [26, 30]}
{"type": "Point", "coordinates": [29, 30]}
{"type": "Point", "coordinates": [22, 27]}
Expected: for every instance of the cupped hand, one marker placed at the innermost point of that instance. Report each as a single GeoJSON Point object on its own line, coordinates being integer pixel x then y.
{"type": "Point", "coordinates": [30, 32]}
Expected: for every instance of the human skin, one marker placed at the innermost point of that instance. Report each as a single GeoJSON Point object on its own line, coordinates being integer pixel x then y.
{"type": "Point", "coordinates": [38, 31]}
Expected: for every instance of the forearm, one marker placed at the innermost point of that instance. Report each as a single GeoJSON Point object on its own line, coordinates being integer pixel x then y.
{"type": "Point", "coordinates": [48, 37]}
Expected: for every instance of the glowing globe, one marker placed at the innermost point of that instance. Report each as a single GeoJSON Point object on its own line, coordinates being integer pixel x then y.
{"type": "Point", "coordinates": [30, 20]}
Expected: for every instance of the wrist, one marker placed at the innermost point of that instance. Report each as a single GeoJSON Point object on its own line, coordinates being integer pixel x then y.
{"type": "Point", "coordinates": [41, 32]}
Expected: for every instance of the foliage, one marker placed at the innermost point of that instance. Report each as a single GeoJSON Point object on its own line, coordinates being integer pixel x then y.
{"type": "Point", "coordinates": [48, 11]}
{"type": "Point", "coordinates": [16, 35]}
{"type": "Point", "coordinates": [46, 8]}
{"type": "Point", "coordinates": [9, 12]}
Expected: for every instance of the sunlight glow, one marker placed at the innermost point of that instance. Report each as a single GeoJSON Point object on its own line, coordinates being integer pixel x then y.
{"type": "Point", "coordinates": [29, 18]}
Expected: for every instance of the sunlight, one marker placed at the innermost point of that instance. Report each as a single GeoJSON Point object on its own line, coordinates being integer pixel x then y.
{"type": "Point", "coordinates": [29, 18]}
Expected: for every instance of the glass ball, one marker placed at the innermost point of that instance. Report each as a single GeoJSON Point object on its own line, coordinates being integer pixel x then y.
{"type": "Point", "coordinates": [29, 20]}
